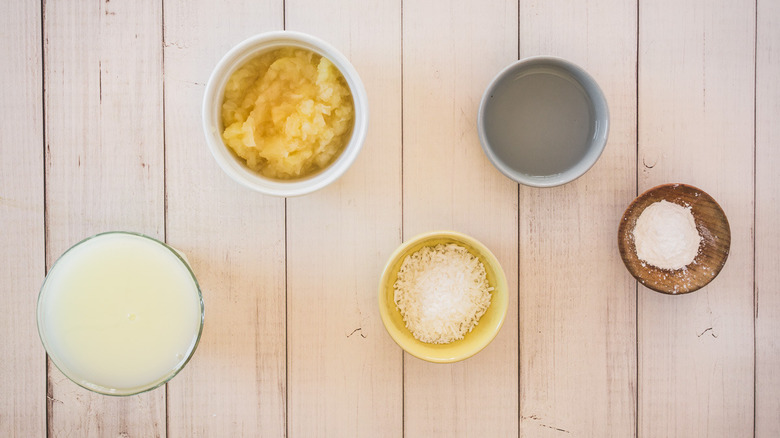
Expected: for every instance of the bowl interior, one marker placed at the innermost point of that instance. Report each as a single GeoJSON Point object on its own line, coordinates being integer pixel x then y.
{"type": "Point", "coordinates": [235, 166]}
{"type": "Point", "coordinates": [711, 223]}
{"type": "Point", "coordinates": [543, 121]}
{"type": "Point", "coordinates": [474, 341]}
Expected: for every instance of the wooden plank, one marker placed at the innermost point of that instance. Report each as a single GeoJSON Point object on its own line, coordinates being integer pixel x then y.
{"type": "Point", "coordinates": [235, 385]}
{"type": "Point", "coordinates": [23, 363]}
{"type": "Point", "coordinates": [104, 167]}
{"type": "Point", "coordinates": [451, 51]}
{"type": "Point", "coordinates": [767, 282]}
{"type": "Point", "coordinates": [345, 373]}
{"type": "Point", "coordinates": [577, 301]}
{"type": "Point", "coordinates": [696, 82]}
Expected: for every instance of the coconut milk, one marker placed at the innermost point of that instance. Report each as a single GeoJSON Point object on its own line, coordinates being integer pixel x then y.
{"type": "Point", "coordinates": [119, 313]}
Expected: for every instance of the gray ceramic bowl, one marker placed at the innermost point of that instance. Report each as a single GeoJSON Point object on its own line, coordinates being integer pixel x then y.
{"type": "Point", "coordinates": [543, 121]}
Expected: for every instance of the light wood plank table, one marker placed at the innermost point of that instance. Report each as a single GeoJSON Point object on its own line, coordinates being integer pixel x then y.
{"type": "Point", "coordinates": [100, 130]}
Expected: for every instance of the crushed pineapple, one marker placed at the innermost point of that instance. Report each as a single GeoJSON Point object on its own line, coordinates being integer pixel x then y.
{"type": "Point", "coordinates": [288, 113]}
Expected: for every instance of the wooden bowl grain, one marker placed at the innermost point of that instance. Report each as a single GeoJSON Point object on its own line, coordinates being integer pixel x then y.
{"type": "Point", "coordinates": [711, 223]}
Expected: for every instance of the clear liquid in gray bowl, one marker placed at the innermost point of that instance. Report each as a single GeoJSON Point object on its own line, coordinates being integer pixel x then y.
{"type": "Point", "coordinates": [539, 121]}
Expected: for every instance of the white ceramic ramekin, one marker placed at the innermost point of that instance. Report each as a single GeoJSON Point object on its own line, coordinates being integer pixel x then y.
{"type": "Point", "coordinates": [233, 165]}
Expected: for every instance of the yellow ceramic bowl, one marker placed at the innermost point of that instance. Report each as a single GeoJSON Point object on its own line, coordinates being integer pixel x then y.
{"type": "Point", "coordinates": [474, 341]}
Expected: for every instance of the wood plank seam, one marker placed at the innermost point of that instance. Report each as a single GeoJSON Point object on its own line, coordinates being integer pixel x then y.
{"type": "Point", "coordinates": [755, 210]}
{"type": "Point", "coordinates": [48, 394]}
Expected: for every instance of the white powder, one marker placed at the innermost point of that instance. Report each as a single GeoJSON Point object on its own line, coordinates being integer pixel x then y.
{"type": "Point", "coordinates": [665, 236]}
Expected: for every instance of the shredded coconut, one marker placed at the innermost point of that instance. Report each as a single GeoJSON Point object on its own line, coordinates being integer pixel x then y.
{"type": "Point", "coordinates": [441, 292]}
{"type": "Point", "coordinates": [665, 236]}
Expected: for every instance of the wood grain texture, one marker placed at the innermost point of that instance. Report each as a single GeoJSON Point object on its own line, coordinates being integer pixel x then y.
{"type": "Point", "coordinates": [235, 239]}
{"type": "Point", "coordinates": [767, 233]}
{"type": "Point", "coordinates": [345, 373]}
{"type": "Point", "coordinates": [22, 358]}
{"type": "Point", "coordinates": [582, 351]}
{"type": "Point", "coordinates": [696, 79]}
{"type": "Point", "coordinates": [577, 302]}
{"type": "Point", "coordinates": [104, 168]}
{"type": "Point", "coordinates": [448, 183]}
{"type": "Point", "coordinates": [712, 226]}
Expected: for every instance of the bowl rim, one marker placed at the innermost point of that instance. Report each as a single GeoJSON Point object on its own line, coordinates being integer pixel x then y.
{"type": "Point", "coordinates": [501, 282]}
{"type": "Point", "coordinates": [599, 140]}
{"type": "Point", "coordinates": [211, 114]}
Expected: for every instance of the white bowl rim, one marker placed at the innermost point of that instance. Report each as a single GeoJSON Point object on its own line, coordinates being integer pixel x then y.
{"type": "Point", "coordinates": [212, 103]}
{"type": "Point", "coordinates": [595, 94]}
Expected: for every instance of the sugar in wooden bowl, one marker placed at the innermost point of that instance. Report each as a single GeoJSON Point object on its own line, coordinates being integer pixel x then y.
{"type": "Point", "coordinates": [660, 247]}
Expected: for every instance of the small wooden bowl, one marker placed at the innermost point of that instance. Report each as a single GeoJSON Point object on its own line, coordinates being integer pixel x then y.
{"type": "Point", "coordinates": [711, 223]}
